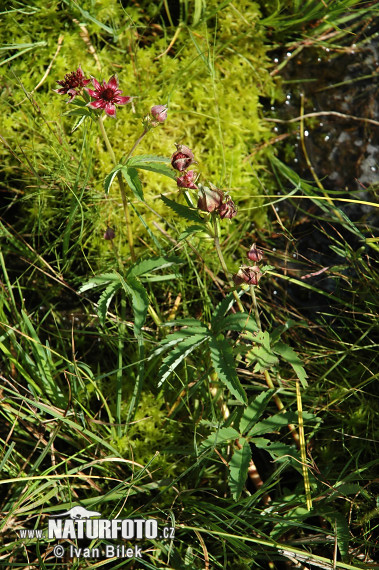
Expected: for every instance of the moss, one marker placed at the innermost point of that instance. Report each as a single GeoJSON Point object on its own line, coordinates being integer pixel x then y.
{"type": "Point", "coordinates": [212, 78]}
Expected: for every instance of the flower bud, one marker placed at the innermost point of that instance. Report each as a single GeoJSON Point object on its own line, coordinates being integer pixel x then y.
{"type": "Point", "coordinates": [248, 275]}
{"type": "Point", "coordinates": [209, 200]}
{"type": "Point", "coordinates": [182, 158]}
{"type": "Point", "coordinates": [227, 209]}
{"type": "Point", "coordinates": [255, 254]}
{"type": "Point", "coordinates": [186, 180]}
{"type": "Point", "coordinates": [159, 113]}
{"type": "Point", "coordinates": [109, 234]}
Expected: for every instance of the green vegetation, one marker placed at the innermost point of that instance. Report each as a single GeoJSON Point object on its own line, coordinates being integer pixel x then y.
{"type": "Point", "coordinates": [150, 368]}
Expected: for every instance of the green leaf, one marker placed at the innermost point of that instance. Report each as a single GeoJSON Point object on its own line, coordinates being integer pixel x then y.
{"type": "Point", "coordinates": [153, 264]}
{"type": "Point", "coordinates": [190, 231]}
{"type": "Point", "coordinates": [105, 300]}
{"type": "Point", "coordinates": [254, 410]}
{"type": "Point", "coordinates": [132, 179]}
{"type": "Point", "coordinates": [153, 163]}
{"type": "Point", "coordinates": [288, 354]}
{"type": "Point", "coordinates": [221, 310]}
{"type": "Point", "coordinates": [185, 212]}
{"type": "Point", "coordinates": [273, 423]}
{"type": "Point", "coordinates": [178, 355]}
{"type": "Point", "coordinates": [220, 436]}
{"type": "Point", "coordinates": [236, 322]}
{"type": "Point", "coordinates": [98, 281]}
{"type": "Point", "coordinates": [140, 301]}
{"type": "Point", "coordinates": [238, 466]}
{"type": "Point", "coordinates": [224, 365]}
{"type": "Point", "coordinates": [110, 177]}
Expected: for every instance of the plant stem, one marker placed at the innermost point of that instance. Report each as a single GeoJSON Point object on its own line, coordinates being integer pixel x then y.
{"type": "Point", "coordinates": [216, 239]}
{"type": "Point", "coordinates": [136, 144]}
{"type": "Point", "coordinates": [122, 189]}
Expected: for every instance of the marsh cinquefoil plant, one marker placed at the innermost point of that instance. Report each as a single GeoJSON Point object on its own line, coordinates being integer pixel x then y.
{"type": "Point", "coordinates": [213, 342]}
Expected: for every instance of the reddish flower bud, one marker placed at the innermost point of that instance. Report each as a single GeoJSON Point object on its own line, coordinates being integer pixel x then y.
{"type": "Point", "coordinates": [159, 113]}
{"type": "Point", "coordinates": [209, 200]}
{"type": "Point", "coordinates": [255, 254]}
{"type": "Point", "coordinates": [227, 209]}
{"type": "Point", "coordinates": [248, 275]}
{"type": "Point", "coordinates": [182, 158]}
{"type": "Point", "coordinates": [109, 233]}
{"type": "Point", "coordinates": [186, 180]}
{"type": "Point", "coordinates": [72, 84]}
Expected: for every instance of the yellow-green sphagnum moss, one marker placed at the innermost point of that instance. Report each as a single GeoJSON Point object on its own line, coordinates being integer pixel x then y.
{"type": "Point", "coordinates": [211, 78]}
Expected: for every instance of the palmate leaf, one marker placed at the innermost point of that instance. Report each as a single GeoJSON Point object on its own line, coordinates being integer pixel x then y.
{"type": "Point", "coordinates": [222, 308]}
{"type": "Point", "coordinates": [178, 355]}
{"type": "Point", "coordinates": [224, 365]}
{"type": "Point", "coordinates": [238, 467]}
{"type": "Point", "coordinates": [183, 211]}
{"type": "Point", "coordinates": [273, 423]}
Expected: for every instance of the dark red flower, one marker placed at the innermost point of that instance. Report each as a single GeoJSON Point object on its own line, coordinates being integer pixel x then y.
{"type": "Point", "coordinates": [109, 233]}
{"type": "Point", "coordinates": [209, 199]}
{"type": "Point", "coordinates": [255, 254]}
{"type": "Point", "coordinates": [227, 209]}
{"type": "Point", "coordinates": [72, 84]}
{"type": "Point", "coordinates": [182, 158]}
{"type": "Point", "coordinates": [107, 96]}
{"type": "Point", "coordinates": [248, 275]}
{"type": "Point", "coordinates": [159, 113]}
{"type": "Point", "coordinates": [186, 180]}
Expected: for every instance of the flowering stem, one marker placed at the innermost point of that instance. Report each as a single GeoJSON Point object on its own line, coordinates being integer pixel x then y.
{"type": "Point", "coordinates": [136, 144]}
{"type": "Point", "coordinates": [122, 189]}
{"type": "Point", "coordinates": [216, 239]}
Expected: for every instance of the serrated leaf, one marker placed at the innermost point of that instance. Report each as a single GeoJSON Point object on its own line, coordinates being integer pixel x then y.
{"type": "Point", "coordinates": [153, 163]}
{"type": "Point", "coordinates": [238, 467]}
{"type": "Point", "coordinates": [190, 231]}
{"type": "Point", "coordinates": [221, 310]}
{"type": "Point", "coordinates": [273, 423]}
{"type": "Point", "coordinates": [263, 358]}
{"type": "Point", "coordinates": [236, 322]}
{"type": "Point", "coordinates": [224, 365]}
{"type": "Point", "coordinates": [108, 180]}
{"type": "Point", "coordinates": [81, 112]}
{"type": "Point", "coordinates": [185, 212]}
{"type": "Point", "coordinates": [140, 301]}
{"type": "Point", "coordinates": [288, 354]}
{"type": "Point", "coordinates": [153, 264]}
{"type": "Point", "coordinates": [220, 436]}
{"type": "Point", "coordinates": [254, 410]}
{"type": "Point", "coordinates": [132, 179]}
{"type": "Point", "coordinates": [105, 300]}
{"type": "Point", "coordinates": [178, 355]}
{"type": "Point", "coordinates": [98, 281]}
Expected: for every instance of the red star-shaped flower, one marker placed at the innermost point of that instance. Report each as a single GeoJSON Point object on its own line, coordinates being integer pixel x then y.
{"type": "Point", "coordinates": [107, 96]}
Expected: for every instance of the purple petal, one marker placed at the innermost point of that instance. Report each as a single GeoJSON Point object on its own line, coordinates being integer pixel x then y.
{"type": "Point", "coordinates": [121, 100]}
{"type": "Point", "coordinates": [92, 93]}
{"type": "Point", "coordinates": [96, 83]}
{"type": "Point", "coordinates": [110, 109]}
{"type": "Point", "coordinates": [113, 82]}
{"type": "Point", "coordinates": [99, 104]}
